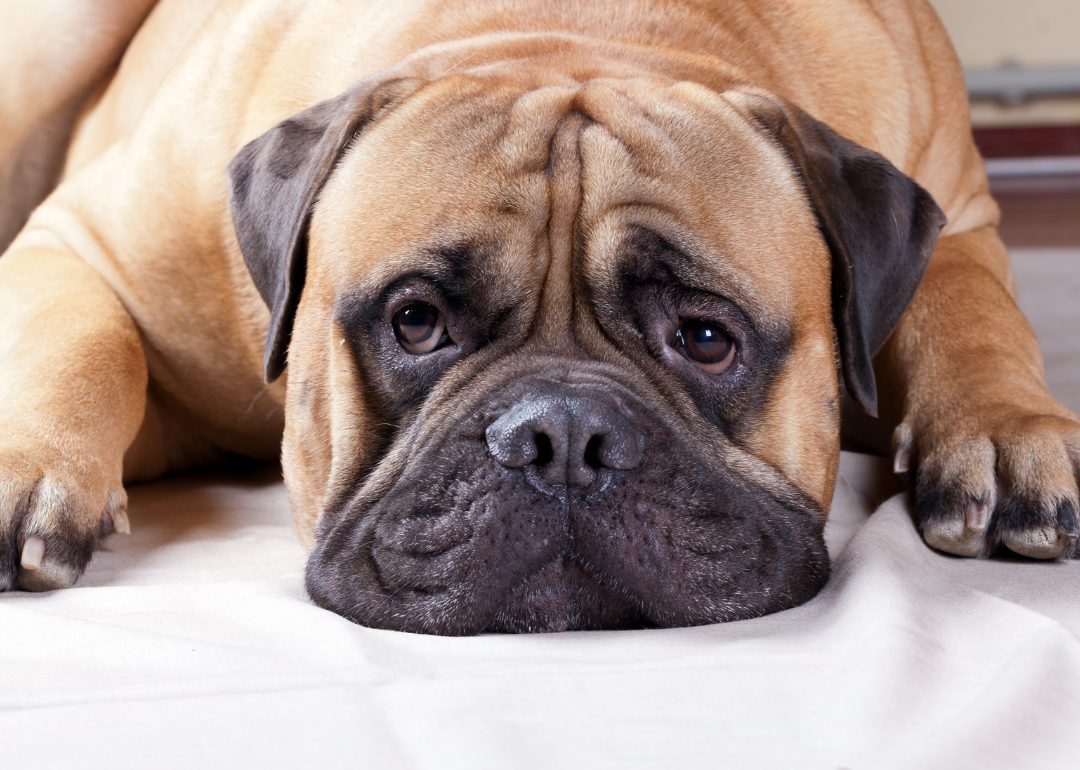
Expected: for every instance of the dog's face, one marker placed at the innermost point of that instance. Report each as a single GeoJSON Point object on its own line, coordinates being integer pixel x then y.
{"type": "Point", "coordinates": [566, 357]}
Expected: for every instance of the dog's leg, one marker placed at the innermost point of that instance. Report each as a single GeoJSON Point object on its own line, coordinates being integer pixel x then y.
{"type": "Point", "coordinates": [73, 381]}
{"type": "Point", "coordinates": [53, 53]}
{"type": "Point", "coordinates": [996, 454]}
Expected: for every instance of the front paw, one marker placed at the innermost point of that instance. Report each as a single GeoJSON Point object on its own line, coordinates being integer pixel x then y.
{"type": "Point", "coordinates": [996, 478]}
{"type": "Point", "coordinates": [51, 521]}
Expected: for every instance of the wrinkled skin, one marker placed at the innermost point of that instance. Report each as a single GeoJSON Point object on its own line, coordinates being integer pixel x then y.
{"type": "Point", "coordinates": [461, 544]}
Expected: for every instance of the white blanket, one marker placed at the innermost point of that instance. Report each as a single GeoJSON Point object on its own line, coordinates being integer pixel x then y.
{"type": "Point", "coordinates": [190, 643]}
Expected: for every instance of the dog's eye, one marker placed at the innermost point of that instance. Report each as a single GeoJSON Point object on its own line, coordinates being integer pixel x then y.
{"type": "Point", "coordinates": [706, 344]}
{"type": "Point", "coordinates": [420, 328]}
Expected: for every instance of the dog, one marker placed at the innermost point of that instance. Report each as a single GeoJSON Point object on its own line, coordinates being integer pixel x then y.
{"type": "Point", "coordinates": [545, 305]}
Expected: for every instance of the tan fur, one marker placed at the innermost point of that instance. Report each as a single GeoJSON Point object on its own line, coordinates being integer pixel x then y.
{"type": "Point", "coordinates": [53, 53]}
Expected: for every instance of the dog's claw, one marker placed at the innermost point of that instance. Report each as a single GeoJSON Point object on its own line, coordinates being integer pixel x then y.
{"type": "Point", "coordinates": [1067, 528]}
{"type": "Point", "coordinates": [903, 442]}
{"type": "Point", "coordinates": [33, 553]}
{"type": "Point", "coordinates": [976, 516]}
{"type": "Point", "coordinates": [120, 521]}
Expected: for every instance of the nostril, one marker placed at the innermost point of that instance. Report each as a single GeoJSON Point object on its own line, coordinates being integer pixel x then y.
{"type": "Point", "coordinates": [545, 453]}
{"type": "Point", "coordinates": [592, 453]}
{"type": "Point", "coordinates": [570, 438]}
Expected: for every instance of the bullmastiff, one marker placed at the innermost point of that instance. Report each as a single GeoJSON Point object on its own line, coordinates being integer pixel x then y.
{"type": "Point", "coordinates": [544, 305]}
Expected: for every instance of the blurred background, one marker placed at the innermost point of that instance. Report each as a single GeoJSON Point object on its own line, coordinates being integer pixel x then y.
{"type": "Point", "coordinates": [1022, 63]}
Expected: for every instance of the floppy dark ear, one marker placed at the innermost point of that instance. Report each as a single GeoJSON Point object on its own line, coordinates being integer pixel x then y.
{"type": "Point", "coordinates": [273, 184]}
{"type": "Point", "coordinates": [880, 227]}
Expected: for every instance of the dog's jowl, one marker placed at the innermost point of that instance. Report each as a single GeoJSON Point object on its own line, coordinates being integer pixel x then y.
{"type": "Point", "coordinates": [547, 308]}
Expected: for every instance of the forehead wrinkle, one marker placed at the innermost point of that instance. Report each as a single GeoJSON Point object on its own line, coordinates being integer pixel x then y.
{"type": "Point", "coordinates": [729, 198]}
{"type": "Point", "coordinates": [614, 209]}
{"type": "Point", "coordinates": [627, 122]}
{"type": "Point", "coordinates": [525, 143]}
{"type": "Point", "coordinates": [553, 325]}
{"type": "Point", "coordinates": [611, 250]}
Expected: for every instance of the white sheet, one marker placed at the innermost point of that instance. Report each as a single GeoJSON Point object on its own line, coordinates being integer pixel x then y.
{"type": "Point", "coordinates": [190, 643]}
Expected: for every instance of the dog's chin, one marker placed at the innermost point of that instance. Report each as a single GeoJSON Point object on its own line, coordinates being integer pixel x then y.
{"type": "Point", "coordinates": [562, 596]}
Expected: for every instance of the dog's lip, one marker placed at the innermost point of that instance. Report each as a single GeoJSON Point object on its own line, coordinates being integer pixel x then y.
{"type": "Point", "coordinates": [497, 576]}
{"type": "Point", "coordinates": [549, 599]}
{"type": "Point", "coordinates": [426, 588]}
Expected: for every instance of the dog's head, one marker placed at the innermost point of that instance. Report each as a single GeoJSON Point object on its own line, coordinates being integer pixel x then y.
{"type": "Point", "coordinates": [565, 356]}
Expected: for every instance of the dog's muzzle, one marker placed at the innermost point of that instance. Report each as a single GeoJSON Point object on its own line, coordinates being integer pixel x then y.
{"type": "Point", "coordinates": [565, 504]}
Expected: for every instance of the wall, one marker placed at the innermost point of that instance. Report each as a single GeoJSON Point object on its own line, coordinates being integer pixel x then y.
{"type": "Point", "coordinates": [1031, 33]}
{"type": "Point", "coordinates": [988, 33]}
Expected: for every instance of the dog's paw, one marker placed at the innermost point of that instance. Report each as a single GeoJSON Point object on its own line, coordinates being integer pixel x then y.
{"type": "Point", "coordinates": [50, 523]}
{"type": "Point", "coordinates": [1006, 478]}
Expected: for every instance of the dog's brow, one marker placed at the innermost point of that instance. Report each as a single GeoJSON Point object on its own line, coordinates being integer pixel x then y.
{"type": "Point", "coordinates": [458, 266]}
{"type": "Point", "coordinates": [647, 251]}
{"type": "Point", "coordinates": [459, 271]}
{"type": "Point", "coordinates": [649, 256]}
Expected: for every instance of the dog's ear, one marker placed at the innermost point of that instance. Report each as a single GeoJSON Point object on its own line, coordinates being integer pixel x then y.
{"type": "Point", "coordinates": [880, 227]}
{"type": "Point", "coordinates": [273, 184]}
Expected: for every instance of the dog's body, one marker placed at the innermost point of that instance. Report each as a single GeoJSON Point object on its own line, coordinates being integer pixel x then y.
{"type": "Point", "coordinates": [543, 142]}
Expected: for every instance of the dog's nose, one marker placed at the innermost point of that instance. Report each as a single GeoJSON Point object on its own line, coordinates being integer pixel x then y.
{"type": "Point", "coordinates": [569, 438]}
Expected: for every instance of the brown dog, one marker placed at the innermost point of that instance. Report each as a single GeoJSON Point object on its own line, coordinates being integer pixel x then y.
{"type": "Point", "coordinates": [562, 289]}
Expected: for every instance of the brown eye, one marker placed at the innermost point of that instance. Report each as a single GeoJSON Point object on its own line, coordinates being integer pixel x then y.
{"type": "Point", "coordinates": [706, 344]}
{"type": "Point", "coordinates": [420, 328]}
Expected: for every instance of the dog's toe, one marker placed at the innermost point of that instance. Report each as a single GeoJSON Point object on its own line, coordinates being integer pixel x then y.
{"type": "Point", "coordinates": [1038, 530]}
{"type": "Point", "coordinates": [36, 573]}
{"type": "Point", "coordinates": [50, 528]}
{"type": "Point", "coordinates": [1036, 542]}
{"type": "Point", "coordinates": [1012, 487]}
{"type": "Point", "coordinates": [960, 533]}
